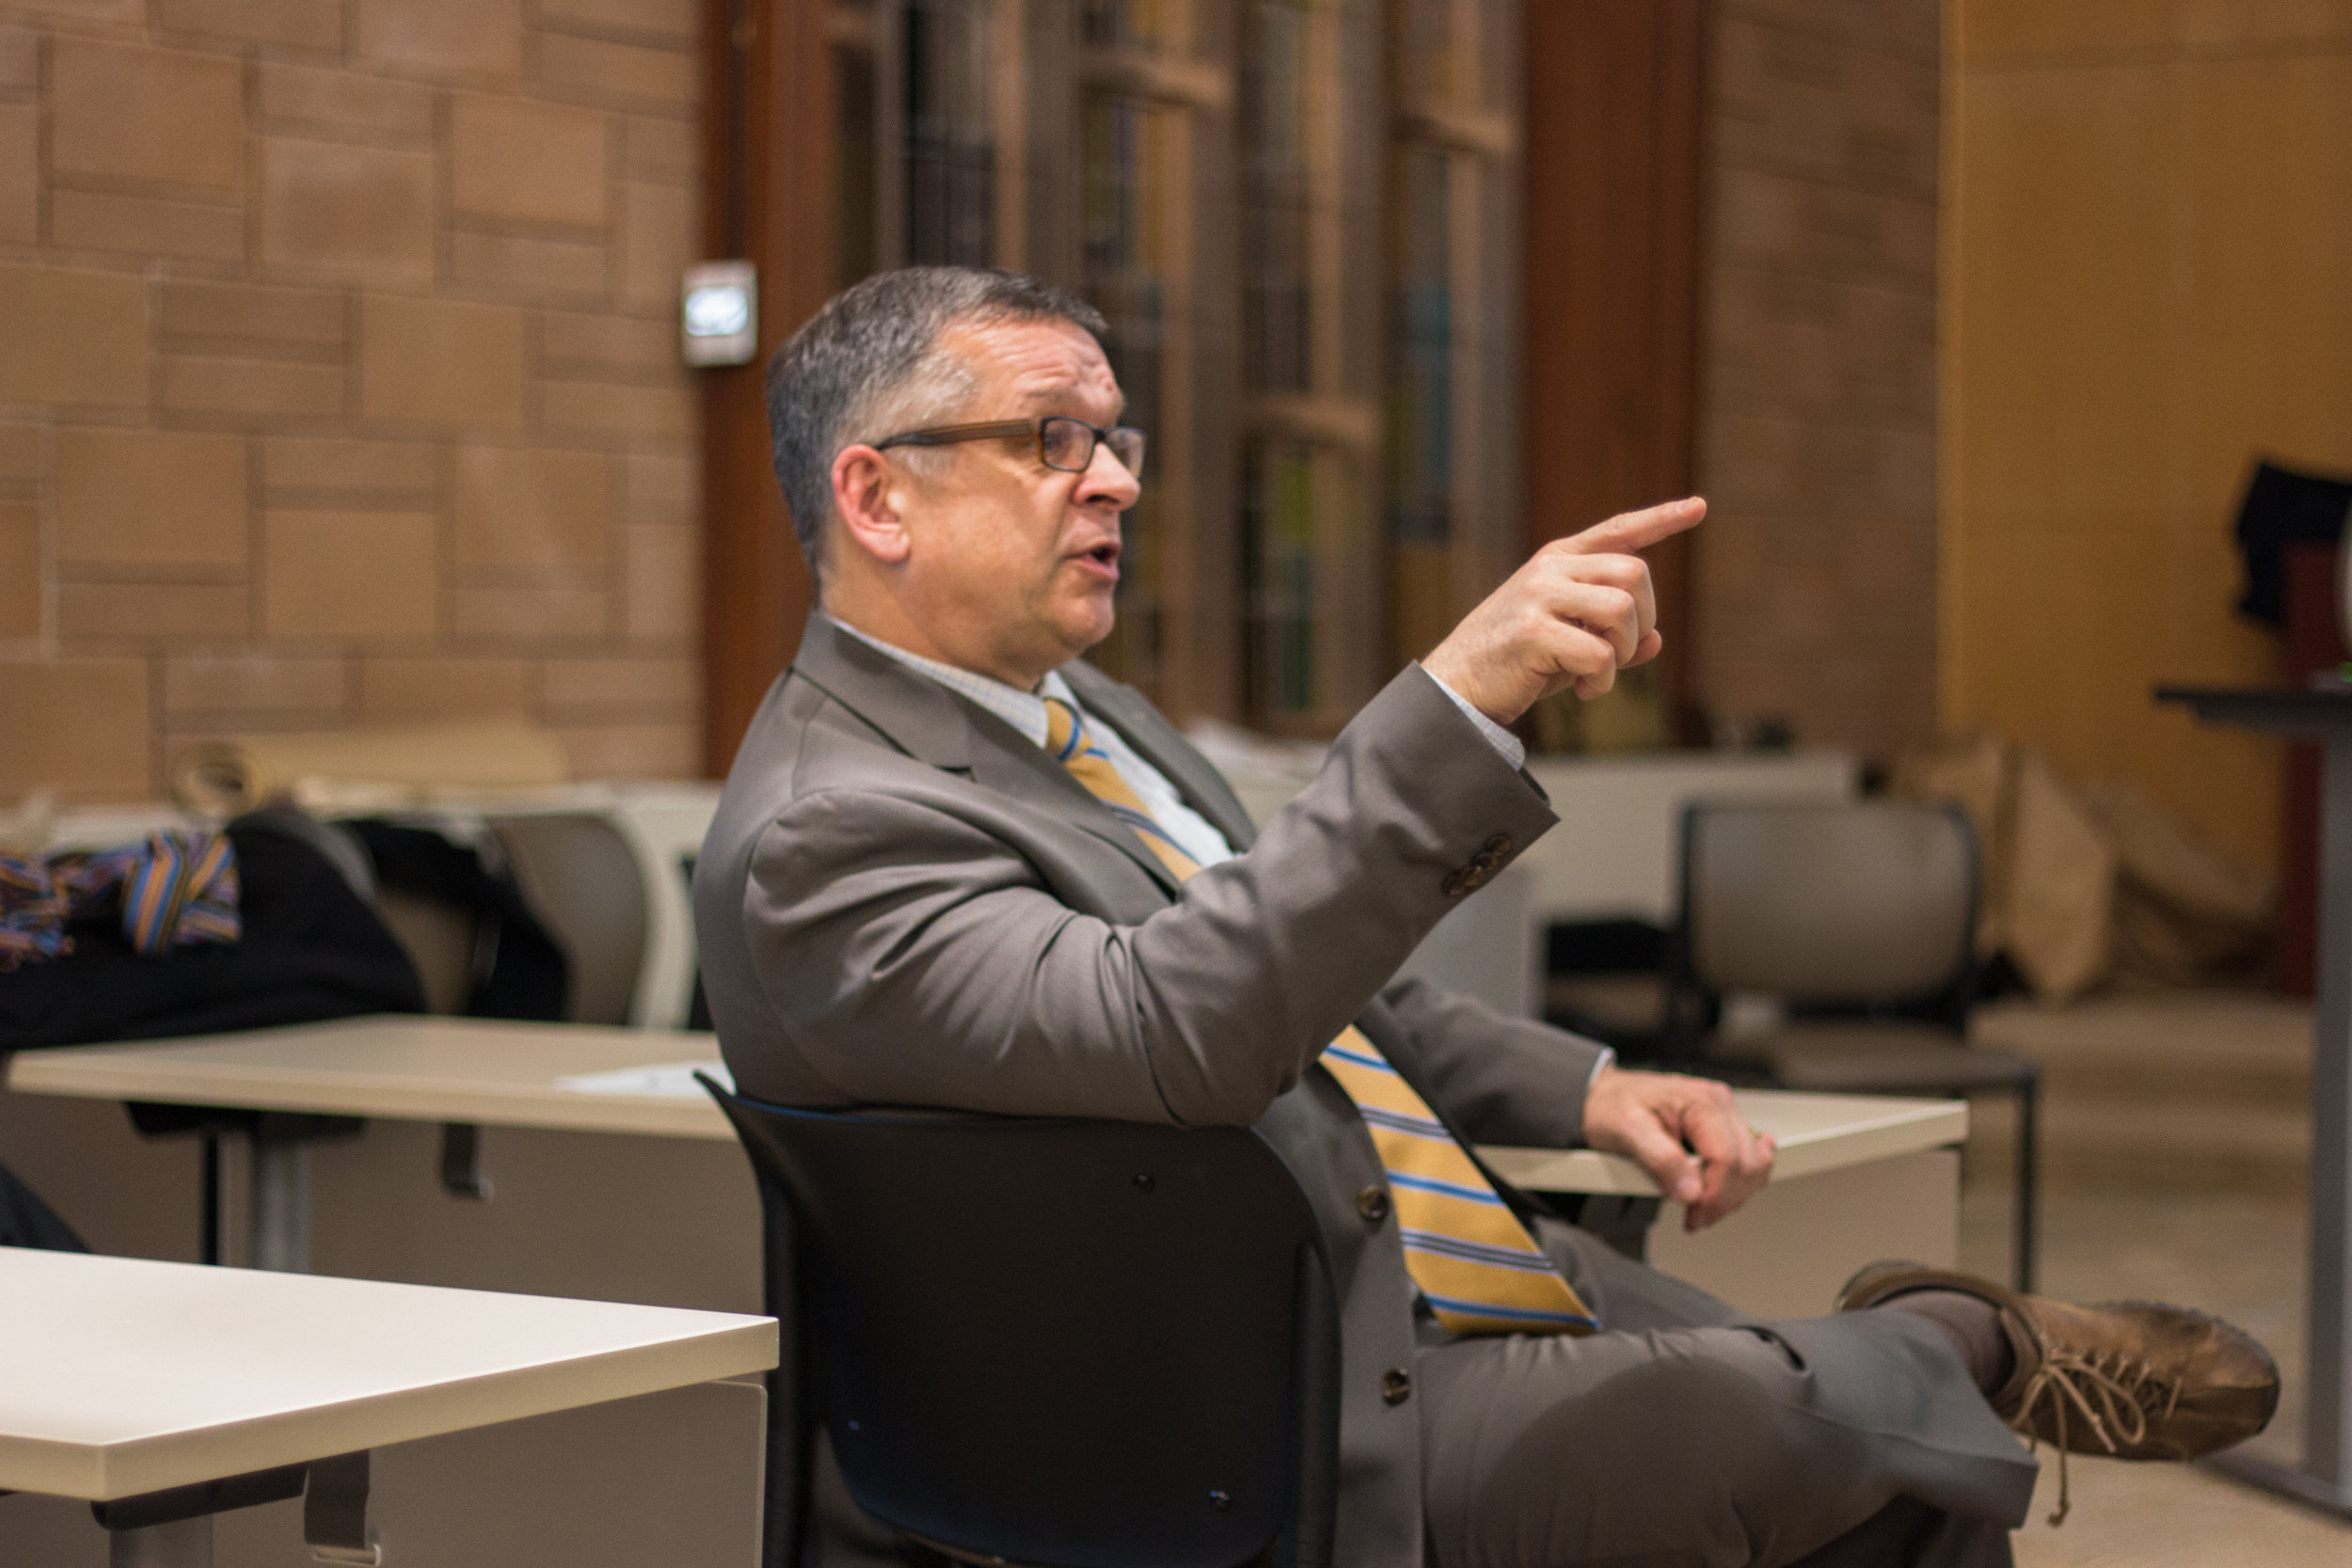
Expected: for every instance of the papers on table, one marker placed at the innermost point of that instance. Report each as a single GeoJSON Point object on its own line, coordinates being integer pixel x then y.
{"type": "Point", "coordinates": [669, 1080]}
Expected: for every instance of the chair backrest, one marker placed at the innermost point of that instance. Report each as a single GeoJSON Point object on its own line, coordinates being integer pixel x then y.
{"type": "Point", "coordinates": [1848, 904]}
{"type": "Point", "coordinates": [439, 939]}
{"type": "Point", "coordinates": [1088, 1344]}
{"type": "Point", "coordinates": [581, 879]}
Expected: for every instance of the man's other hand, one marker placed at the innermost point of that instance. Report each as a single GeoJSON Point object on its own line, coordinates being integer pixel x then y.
{"type": "Point", "coordinates": [1687, 1132]}
{"type": "Point", "coordinates": [1580, 610]}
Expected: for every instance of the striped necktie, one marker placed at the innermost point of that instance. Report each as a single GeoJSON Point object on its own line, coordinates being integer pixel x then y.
{"type": "Point", "coordinates": [1475, 1263]}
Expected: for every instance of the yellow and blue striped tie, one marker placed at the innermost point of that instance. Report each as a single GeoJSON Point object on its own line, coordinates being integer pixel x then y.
{"type": "Point", "coordinates": [1475, 1263]}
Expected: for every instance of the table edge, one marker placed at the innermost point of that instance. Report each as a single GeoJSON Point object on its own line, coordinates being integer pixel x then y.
{"type": "Point", "coordinates": [1935, 1124]}
{"type": "Point", "coordinates": [105, 1471]}
{"type": "Point", "coordinates": [58, 1073]}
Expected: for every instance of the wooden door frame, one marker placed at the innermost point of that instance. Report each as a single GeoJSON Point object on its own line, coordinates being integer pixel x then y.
{"type": "Point", "coordinates": [1612, 285]}
{"type": "Point", "coordinates": [767, 198]}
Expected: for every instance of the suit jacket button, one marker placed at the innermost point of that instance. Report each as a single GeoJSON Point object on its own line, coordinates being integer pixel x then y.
{"type": "Point", "coordinates": [1373, 1203]}
{"type": "Point", "coordinates": [1396, 1385]}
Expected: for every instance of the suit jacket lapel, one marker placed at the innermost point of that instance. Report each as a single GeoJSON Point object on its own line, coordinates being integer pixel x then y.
{"type": "Point", "coordinates": [932, 724]}
{"type": "Point", "coordinates": [1157, 742]}
{"type": "Point", "coordinates": [918, 716]}
{"type": "Point", "coordinates": [1005, 760]}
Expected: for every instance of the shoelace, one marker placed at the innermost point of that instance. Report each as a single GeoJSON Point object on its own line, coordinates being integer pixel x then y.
{"type": "Point", "coordinates": [2115, 1393]}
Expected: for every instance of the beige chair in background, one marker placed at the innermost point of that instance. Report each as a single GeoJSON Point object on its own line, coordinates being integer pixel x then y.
{"type": "Point", "coordinates": [1857, 920]}
{"type": "Point", "coordinates": [581, 879]}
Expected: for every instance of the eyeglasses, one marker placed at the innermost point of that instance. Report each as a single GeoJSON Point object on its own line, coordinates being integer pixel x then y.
{"type": "Point", "coordinates": [1063, 442]}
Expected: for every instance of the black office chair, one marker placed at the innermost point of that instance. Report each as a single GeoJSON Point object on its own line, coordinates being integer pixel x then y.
{"type": "Point", "coordinates": [1060, 1343]}
{"type": "Point", "coordinates": [1860, 916]}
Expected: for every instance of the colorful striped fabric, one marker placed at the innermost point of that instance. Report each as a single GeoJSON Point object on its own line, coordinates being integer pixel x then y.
{"type": "Point", "coordinates": [174, 890]}
{"type": "Point", "coordinates": [1476, 1266]}
{"type": "Point", "coordinates": [32, 912]}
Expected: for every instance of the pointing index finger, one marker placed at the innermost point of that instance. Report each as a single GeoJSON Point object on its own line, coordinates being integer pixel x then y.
{"type": "Point", "coordinates": [1635, 530]}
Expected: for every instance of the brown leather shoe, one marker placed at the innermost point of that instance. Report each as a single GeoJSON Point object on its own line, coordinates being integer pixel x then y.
{"type": "Point", "coordinates": [2127, 1379]}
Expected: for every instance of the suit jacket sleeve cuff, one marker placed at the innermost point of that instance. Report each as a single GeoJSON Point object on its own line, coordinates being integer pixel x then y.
{"type": "Point", "coordinates": [1509, 747]}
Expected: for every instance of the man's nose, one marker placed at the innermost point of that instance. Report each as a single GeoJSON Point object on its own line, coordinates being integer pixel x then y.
{"type": "Point", "coordinates": [1106, 480]}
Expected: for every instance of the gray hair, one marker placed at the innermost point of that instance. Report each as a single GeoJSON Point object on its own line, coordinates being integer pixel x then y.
{"type": "Point", "coordinates": [869, 364]}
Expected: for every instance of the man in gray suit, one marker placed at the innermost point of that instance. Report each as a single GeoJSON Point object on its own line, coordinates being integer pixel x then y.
{"type": "Point", "coordinates": [955, 866]}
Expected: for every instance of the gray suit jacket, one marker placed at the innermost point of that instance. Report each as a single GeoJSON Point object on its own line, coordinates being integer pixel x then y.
{"type": "Point", "coordinates": [903, 901]}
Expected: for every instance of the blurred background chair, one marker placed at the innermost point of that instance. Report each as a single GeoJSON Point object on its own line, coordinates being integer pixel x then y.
{"type": "Point", "coordinates": [1854, 924]}
{"type": "Point", "coordinates": [580, 878]}
{"type": "Point", "coordinates": [1087, 1344]}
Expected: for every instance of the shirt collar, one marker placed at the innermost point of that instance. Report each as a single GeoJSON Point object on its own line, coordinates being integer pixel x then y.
{"type": "Point", "coordinates": [1023, 710]}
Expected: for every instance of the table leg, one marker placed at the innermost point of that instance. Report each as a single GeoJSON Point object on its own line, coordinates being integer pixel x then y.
{"type": "Point", "coordinates": [181, 1544]}
{"type": "Point", "coordinates": [281, 1205]}
{"type": "Point", "coordinates": [2324, 1478]}
{"type": "Point", "coordinates": [208, 1202]}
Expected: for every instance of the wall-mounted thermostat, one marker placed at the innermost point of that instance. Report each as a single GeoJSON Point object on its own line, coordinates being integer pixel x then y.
{"type": "Point", "coordinates": [719, 313]}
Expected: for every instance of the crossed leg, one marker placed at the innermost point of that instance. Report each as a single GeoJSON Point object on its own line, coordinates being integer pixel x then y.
{"type": "Point", "coordinates": [1688, 1434]}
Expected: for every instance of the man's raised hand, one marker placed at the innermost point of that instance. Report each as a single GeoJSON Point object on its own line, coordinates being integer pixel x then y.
{"type": "Point", "coordinates": [1580, 610]}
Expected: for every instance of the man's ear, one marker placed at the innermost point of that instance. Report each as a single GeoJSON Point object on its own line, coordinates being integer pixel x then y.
{"type": "Point", "coordinates": [862, 495]}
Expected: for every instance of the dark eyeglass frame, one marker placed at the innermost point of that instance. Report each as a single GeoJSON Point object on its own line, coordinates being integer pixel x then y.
{"type": "Point", "coordinates": [1005, 430]}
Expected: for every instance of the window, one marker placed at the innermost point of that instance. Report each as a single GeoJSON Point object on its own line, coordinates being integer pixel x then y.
{"type": "Point", "coordinates": [951, 151]}
{"type": "Point", "coordinates": [1292, 214]}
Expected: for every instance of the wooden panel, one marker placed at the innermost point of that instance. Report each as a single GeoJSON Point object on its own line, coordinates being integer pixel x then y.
{"type": "Point", "coordinates": [2262, 21]}
{"type": "Point", "coordinates": [1996, 27]}
{"type": "Point", "coordinates": [1610, 223]}
{"type": "Point", "coordinates": [2266, 195]}
{"type": "Point", "coordinates": [2143, 295]}
{"type": "Point", "coordinates": [767, 196]}
{"type": "Point", "coordinates": [2064, 292]}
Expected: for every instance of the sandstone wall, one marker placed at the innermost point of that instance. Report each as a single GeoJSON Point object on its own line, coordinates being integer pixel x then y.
{"type": "Point", "coordinates": [338, 379]}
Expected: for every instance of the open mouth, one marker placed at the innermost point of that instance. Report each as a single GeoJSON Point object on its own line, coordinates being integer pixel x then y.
{"type": "Point", "coordinates": [1104, 556]}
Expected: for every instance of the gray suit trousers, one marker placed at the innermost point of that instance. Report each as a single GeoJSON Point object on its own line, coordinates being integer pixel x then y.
{"type": "Point", "coordinates": [1689, 1436]}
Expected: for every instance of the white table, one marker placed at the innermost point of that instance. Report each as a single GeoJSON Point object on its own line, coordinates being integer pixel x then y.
{"type": "Point", "coordinates": [1858, 1180]}
{"type": "Point", "coordinates": [413, 1067]}
{"type": "Point", "coordinates": [461, 1072]}
{"type": "Point", "coordinates": [502, 1074]}
{"type": "Point", "coordinates": [1617, 852]}
{"type": "Point", "coordinates": [164, 1392]}
{"type": "Point", "coordinates": [1816, 1134]}
{"type": "Point", "coordinates": [1853, 1173]}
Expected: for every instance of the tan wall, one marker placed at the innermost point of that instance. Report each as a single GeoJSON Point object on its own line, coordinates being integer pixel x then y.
{"type": "Point", "coordinates": [2149, 232]}
{"type": "Point", "coordinates": [337, 377]}
{"type": "Point", "coordinates": [1816, 370]}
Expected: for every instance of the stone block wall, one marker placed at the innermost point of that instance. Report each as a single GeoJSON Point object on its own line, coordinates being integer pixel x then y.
{"type": "Point", "coordinates": [1816, 590]}
{"type": "Point", "coordinates": [337, 377]}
